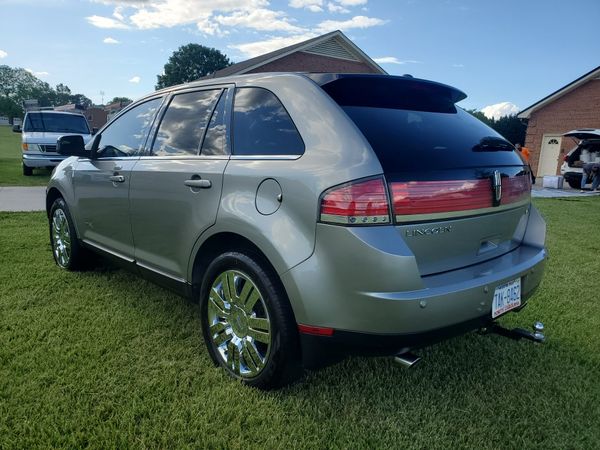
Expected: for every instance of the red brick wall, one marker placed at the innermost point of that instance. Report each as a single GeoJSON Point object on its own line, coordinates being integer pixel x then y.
{"type": "Point", "coordinates": [580, 108]}
{"type": "Point", "coordinates": [307, 62]}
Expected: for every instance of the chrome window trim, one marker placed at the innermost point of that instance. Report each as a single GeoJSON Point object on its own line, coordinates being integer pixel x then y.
{"type": "Point", "coordinates": [270, 157]}
{"type": "Point", "coordinates": [185, 157]}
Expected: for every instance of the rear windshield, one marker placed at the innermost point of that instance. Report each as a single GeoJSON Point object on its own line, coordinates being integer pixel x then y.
{"type": "Point", "coordinates": [56, 123]}
{"type": "Point", "coordinates": [408, 140]}
{"type": "Point", "coordinates": [414, 125]}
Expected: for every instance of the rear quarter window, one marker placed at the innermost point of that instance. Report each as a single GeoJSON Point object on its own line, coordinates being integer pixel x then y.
{"type": "Point", "coordinates": [262, 126]}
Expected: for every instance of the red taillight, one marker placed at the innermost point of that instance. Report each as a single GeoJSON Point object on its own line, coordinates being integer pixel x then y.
{"type": "Point", "coordinates": [566, 158]}
{"type": "Point", "coordinates": [358, 203]}
{"type": "Point", "coordinates": [430, 197]}
{"type": "Point", "coordinates": [316, 331]}
{"type": "Point", "coordinates": [515, 189]}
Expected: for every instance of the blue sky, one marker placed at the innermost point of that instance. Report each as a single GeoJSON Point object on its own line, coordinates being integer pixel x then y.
{"type": "Point", "coordinates": [502, 51]}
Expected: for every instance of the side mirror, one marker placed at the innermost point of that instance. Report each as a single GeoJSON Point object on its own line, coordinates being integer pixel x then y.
{"type": "Point", "coordinates": [71, 145]}
{"type": "Point", "coordinates": [94, 131]}
{"type": "Point", "coordinates": [17, 128]}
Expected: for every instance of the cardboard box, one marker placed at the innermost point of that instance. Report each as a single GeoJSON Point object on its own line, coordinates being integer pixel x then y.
{"type": "Point", "coordinates": [553, 182]}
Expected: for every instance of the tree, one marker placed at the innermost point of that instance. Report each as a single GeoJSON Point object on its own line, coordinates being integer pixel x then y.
{"type": "Point", "coordinates": [510, 127]}
{"type": "Point", "coordinates": [17, 84]}
{"type": "Point", "coordinates": [63, 94]}
{"type": "Point", "coordinates": [190, 62]}
{"type": "Point", "coordinates": [80, 99]}
{"type": "Point", "coordinates": [120, 100]}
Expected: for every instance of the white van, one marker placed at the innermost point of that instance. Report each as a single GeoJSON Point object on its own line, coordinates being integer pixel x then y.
{"type": "Point", "coordinates": [40, 131]}
{"type": "Point", "coordinates": [586, 151]}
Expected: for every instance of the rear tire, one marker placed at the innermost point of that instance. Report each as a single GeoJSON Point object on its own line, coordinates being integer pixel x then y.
{"type": "Point", "coordinates": [66, 249]}
{"type": "Point", "coordinates": [247, 321]}
{"type": "Point", "coordinates": [27, 171]}
{"type": "Point", "coordinates": [574, 184]}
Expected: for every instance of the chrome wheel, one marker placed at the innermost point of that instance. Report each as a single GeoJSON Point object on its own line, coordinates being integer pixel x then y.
{"type": "Point", "coordinates": [61, 239]}
{"type": "Point", "coordinates": [239, 325]}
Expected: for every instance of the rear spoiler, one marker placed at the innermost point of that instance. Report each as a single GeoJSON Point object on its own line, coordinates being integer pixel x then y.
{"type": "Point", "coordinates": [387, 91]}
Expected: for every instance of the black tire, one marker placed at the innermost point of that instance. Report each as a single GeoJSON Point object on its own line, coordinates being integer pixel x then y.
{"type": "Point", "coordinates": [281, 363]}
{"type": "Point", "coordinates": [27, 171]}
{"type": "Point", "coordinates": [574, 184]}
{"type": "Point", "coordinates": [75, 252]}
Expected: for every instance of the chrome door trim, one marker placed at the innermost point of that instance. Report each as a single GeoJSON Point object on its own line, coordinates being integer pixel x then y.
{"type": "Point", "coordinates": [160, 272]}
{"type": "Point", "coordinates": [110, 252]}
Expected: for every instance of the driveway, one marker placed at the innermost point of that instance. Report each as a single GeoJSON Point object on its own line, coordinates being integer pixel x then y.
{"type": "Point", "coordinates": [14, 198]}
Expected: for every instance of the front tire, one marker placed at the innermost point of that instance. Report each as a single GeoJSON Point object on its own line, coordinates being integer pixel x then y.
{"type": "Point", "coordinates": [27, 171]}
{"type": "Point", "coordinates": [66, 249]}
{"type": "Point", "coordinates": [247, 321]}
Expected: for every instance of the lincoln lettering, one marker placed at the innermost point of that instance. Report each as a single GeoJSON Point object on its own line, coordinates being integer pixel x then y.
{"type": "Point", "coordinates": [428, 231]}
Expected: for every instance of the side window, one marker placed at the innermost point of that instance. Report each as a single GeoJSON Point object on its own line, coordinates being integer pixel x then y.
{"type": "Point", "coordinates": [125, 136]}
{"type": "Point", "coordinates": [262, 126]}
{"type": "Point", "coordinates": [183, 125]}
{"type": "Point", "coordinates": [215, 141]}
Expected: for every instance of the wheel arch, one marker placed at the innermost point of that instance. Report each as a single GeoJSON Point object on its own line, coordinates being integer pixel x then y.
{"type": "Point", "coordinates": [217, 244]}
{"type": "Point", "coordinates": [51, 196]}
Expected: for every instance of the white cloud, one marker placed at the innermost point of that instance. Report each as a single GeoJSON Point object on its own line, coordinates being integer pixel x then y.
{"type": "Point", "coordinates": [3, 54]}
{"type": "Point", "coordinates": [311, 5]}
{"type": "Point", "coordinates": [335, 8]}
{"type": "Point", "coordinates": [352, 2]}
{"type": "Point", "coordinates": [259, 19]}
{"type": "Point", "coordinates": [106, 22]}
{"type": "Point", "coordinates": [135, 80]}
{"type": "Point", "coordinates": [39, 74]}
{"type": "Point", "coordinates": [170, 13]}
{"type": "Point", "coordinates": [458, 65]}
{"type": "Point", "coordinates": [355, 22]}
{"type": "Point", "coordinates": [394, 60]}
{"type": "Point", "coordinates": [110, 40]}
{"type": "Point", "coordinates": [500, 110]}
{"type": "Point", "coordinates": [252, 49]}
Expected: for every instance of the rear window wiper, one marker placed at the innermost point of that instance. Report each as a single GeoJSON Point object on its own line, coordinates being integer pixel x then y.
{"type": "Point", "coordinates": [492, 144]}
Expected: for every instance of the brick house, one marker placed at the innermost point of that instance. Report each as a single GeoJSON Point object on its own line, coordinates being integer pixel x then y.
{"type": "Point", "coordinates": [331, 52]}
{"type": "Point", "coordinates": [576, 105]}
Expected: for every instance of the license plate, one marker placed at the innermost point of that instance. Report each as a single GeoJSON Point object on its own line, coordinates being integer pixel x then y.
{"type": "Point", "coordinates": [506, 297]}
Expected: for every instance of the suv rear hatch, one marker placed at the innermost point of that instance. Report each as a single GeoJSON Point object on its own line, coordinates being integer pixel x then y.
{"type": "Point", "coordinates": [590, 141]}
{"type": "Point", "coordinates": [459, 192]}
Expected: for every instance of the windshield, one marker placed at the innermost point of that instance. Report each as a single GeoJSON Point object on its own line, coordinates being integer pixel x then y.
{"type": "Point", "coordinates": [56, 123]}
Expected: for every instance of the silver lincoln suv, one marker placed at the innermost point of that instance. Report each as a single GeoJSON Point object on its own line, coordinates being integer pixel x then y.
{"type": "Point", "coordinates": [313, 216]}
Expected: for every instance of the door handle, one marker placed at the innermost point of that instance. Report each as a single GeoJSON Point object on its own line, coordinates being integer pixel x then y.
{"type": "Point", "coordinates": [198, 183]}
{"type": "Point", "coordinates": [117, 178]}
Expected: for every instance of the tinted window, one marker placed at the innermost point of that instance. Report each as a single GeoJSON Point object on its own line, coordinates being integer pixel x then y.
{"type": "Point", "coordinates": [184, 123]}
{"type": "Point", "coordinates": [56, 123]}
{"type": "Point", "coordinates": [262, 126]}
{"type": "Point", "coordinates": [215, 141]}
{"type": "Point", "coordinates": [125, 136]}
{"type": "Point", "coordinates": [409, 140]}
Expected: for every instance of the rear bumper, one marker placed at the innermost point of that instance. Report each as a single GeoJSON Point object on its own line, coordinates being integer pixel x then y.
{"type": "Point", "coordinates": [368, 295]}
{"type": "Point", "coordinates": [42, 159]}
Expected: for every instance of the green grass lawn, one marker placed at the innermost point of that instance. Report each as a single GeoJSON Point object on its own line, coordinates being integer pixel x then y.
{"type": "Point", "coordinates": [11, 173]}
{"type": "Point", "coordinates": [106, 360]}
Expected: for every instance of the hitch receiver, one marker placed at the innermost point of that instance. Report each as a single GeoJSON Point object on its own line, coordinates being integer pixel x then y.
{"type": "Point", "coordinates": [536, 335]}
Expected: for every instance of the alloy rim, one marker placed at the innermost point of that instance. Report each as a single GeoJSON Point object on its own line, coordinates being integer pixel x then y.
{"type": "Point", "coordinates": [61, 238]}
{"type": "Point", "coordinates": [239, 325]}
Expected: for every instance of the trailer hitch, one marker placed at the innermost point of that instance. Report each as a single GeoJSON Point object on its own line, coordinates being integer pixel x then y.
{"type": "Point", "coordinates": [536, 335]}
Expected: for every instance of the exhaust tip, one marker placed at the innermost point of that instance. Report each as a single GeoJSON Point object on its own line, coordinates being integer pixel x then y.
{"type": "Point", "coordinates": [407, 359]}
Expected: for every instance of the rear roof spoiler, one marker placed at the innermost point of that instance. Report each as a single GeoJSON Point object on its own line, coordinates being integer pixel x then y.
{"type": "Point", "coordinates": [390, 82]}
